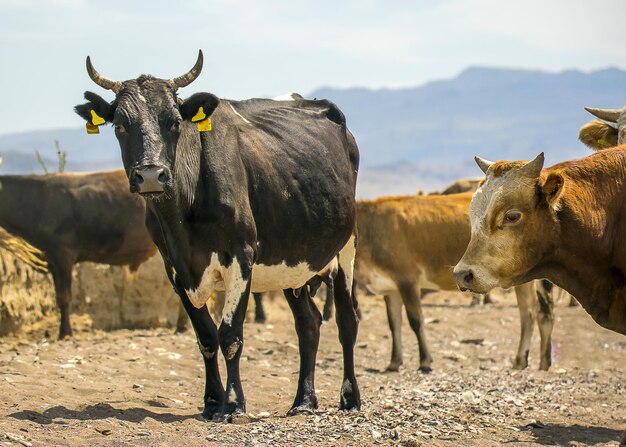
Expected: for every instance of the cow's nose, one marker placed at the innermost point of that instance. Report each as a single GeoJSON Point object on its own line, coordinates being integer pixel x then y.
{"type": "Point", "coordinates": [149, 179]}
{"type": "Point", "coordinates": [464, 279]}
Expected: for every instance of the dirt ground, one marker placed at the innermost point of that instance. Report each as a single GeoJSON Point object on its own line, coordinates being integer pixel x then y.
{"type": "Point", "coordinates": [144, 387]}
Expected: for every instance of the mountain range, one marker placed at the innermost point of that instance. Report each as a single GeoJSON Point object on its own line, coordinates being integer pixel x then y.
{"type": "Point", "coordinates": [410, 138]}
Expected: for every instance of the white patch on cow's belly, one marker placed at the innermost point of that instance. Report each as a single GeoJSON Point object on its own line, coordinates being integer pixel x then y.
{"type": "Point", "coordinates": [265, 278]}
{"type": "Point", "coordinates": [347, 256]}
{"type": "Point", "coordinates": [212, 279]}
{"type": "Point", "coordinates": [276, 277]}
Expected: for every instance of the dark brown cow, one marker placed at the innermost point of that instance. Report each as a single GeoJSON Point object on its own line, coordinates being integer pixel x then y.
{"type": "Point", "coordinates": [74, 218]}
{"type": "Point", "coordinates": [564, 223]}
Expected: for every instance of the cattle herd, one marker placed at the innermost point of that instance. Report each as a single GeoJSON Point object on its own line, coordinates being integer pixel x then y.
{"type": "Point", "coordinates": [252, 196]}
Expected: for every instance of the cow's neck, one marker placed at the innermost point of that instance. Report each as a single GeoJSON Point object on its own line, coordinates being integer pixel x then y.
{"type": "Point", "coordinates": [208, 210]}
{"type": "Point", "coordinates": [590, 262]}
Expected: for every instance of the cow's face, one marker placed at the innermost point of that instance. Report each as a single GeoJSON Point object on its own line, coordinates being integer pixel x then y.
{"type": "Point", "coordinates": [513, 225]}
{"type": "Point", "coordinates": [607, 133]}
{"type": "Point", "coordinates": [150, 123]}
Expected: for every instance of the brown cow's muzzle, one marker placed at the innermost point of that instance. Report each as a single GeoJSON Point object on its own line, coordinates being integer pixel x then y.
{"type": "Point", "coordinates": [149, 179]}
{"type": "Point", "coordinates": [464, 279]}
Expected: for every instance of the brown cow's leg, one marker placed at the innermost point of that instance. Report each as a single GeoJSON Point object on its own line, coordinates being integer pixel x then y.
{"type": "Point", "coordinates": [545, 320]}
{"type": "Point", "coordinates": [308, 321]}
{"type": "Point", "coordinates": [525, 295]}
{"type": "Point", "coordinates": [259, 312]}
{"type": "Point", "coordinates": [410, 296]}
{"type": "Point", "coordinates": [182, 320]}
{"type": "Point", "coordinates": [62, 276]}
{"type": "Point", "coordinates": [329, 304]}
{"type": "Point", "coordinates": [393, 301]}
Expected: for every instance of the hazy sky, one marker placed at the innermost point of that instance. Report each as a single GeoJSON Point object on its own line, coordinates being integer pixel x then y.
{"type": "Point", "coordinates": [265, 48]}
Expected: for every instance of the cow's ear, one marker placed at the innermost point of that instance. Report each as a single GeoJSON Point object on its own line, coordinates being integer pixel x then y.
{"type": "Point", "coordinates": [199, 106]}
{"type": "Point", "coordinates": [598, 135]}
{"type": "Point", "coordinates": [552, 188]}
{"type": "Point", "coordinates": [97, 111]}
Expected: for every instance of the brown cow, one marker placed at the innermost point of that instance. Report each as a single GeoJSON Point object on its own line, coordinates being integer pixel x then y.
{"type": "Point", "coordinates": [74, 218]}
{"type": "Point", "coordinates": [413, 241]}
{"type": "Point", "coordinates": [564, 223]}
{"type": "Point", "coordinates": [602, 134]}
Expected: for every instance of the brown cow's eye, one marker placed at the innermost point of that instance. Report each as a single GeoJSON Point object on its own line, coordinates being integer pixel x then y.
{"type": "Point", "coordinates": [512, 217]}
{"type": "Point", "coordinates": [119, 128]}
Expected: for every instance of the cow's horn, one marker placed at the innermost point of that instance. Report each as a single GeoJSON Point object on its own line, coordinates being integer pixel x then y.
{"type": "Point", "coordinates": [191, 75]}
{"type": "Point", "coordinates": [610, 115]}
{"type": "Point", "coordinates": [533, 168]}
{"type": "Point", "coordinates": [482, 163]}
{"type": "Point", "coordinates": [102, 81]}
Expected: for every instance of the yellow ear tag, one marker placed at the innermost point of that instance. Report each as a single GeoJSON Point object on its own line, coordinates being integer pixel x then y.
{"type": "Point", "coordinates": [96, 120]}
{"type": "Point", "coordinates": [204, 126]}
{"type": "Point", "coordinates": [199, 116]}
{"type": "Point", "coordinates": [92, 129]}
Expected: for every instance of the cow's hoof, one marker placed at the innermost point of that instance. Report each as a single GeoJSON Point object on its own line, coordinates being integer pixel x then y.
{"type": "Point", "coordinates": [212, 411]}
{"type": "Point", "coordinates": [350, 396]}
{"type": "Point", "coordinates": [181, 330]}
{"type": "Point", "coordinates": [520, 364]}
{"type": "Point", "coordinates": [393, 367]}
{"type": "Point", "coordinates": [301, 409]}
{"type": "Point", "coordinates": [306, 407]}
{"type": "Point", "coordinates": [544, 366]}
{"type": "Point", "coordinates": [237, 417]}
{"type": "Point", "coordinates": [425, 369]}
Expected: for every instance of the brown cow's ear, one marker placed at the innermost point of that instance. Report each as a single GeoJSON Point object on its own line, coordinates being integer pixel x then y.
{"type": "Point", "coordinates": [598, 135]}
{"type": "Point", "coordinates": [552, 188]}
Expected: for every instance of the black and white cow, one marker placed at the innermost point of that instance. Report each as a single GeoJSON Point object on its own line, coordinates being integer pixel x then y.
{"type": "Point", "coordinates": [258, 197]}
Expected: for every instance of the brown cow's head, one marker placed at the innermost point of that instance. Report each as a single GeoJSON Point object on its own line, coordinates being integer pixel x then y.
{"type": "Point", "coordinates": [607, 133]}
{"type": "Point", "coordinates": [150, 122]}
{"type": "Point", "coordinates": [513, 224]}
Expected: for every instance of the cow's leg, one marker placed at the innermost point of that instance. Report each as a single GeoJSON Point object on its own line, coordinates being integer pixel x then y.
{"type": "Point", "coordinates": [237, 282]}
{"type": "Point", "coordinates": [487, 298]}
{"type": "Point", "coordinates": [525, 294]}
{"type": "Point", "coordinates": [259, 312]}
{"type": "Point", "coordinates": [61, 269]}
{"type": "Point", "coordinates": [412, 302]}
{"type": "Point", "coordinates": [329, 304]}
{"type": "Point", "coordinates": [355, 300]}
{"type": "Point", "coordinates": [308, 321]}
{"type": "Point", "coordinates": [206, 334]}
{"type": "Point", "coordinates": [393, 301]}
{"type": "Point", "coordinates": [475, 299]}
{"type": "Point", "coordinates": [181, 321]}
{"type": "Point", "coordinates": [545, 320]}
{"type": "Point", "coordinates": [346, 309]}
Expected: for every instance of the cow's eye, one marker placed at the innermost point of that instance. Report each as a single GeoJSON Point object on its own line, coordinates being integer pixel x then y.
{"type": "Point", "coordinates": [119, 128]}
{"type": "Point", "coordinates": [175, 127]}
{"type": "Point", "coordinates": [512, 217]}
